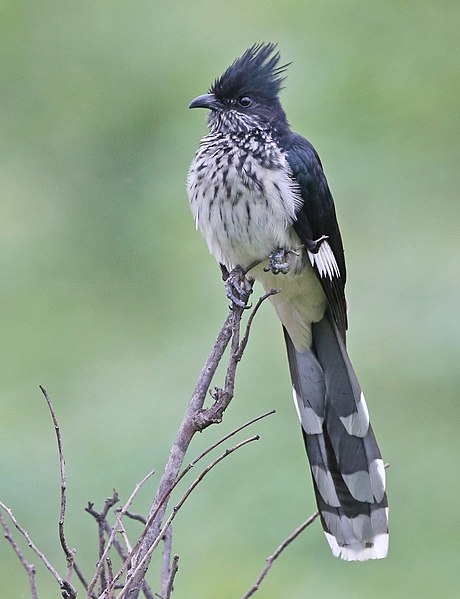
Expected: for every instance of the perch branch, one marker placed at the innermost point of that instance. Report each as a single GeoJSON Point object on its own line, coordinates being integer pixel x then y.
{"type": "Point", "coordinates": [222, 397]}
{"type": "Point", "coordinates": [186, 431]}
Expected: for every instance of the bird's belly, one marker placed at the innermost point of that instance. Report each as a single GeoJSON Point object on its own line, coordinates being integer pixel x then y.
{"type": "Point", "coordinates": [246, 215]}
{"type": "Point", "coordinates": [238, 234]}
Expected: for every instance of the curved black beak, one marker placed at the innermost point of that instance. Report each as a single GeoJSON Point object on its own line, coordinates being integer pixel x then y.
{"type": "Point", "coordinates": [205, 101]}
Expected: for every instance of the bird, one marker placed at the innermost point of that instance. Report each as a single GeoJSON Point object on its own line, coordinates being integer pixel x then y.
{"type": "Point", "coordinates": [260, 199]}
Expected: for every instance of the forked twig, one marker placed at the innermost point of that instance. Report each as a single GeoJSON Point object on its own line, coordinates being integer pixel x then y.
{"type": "Point", "coordinates": [120, 514]}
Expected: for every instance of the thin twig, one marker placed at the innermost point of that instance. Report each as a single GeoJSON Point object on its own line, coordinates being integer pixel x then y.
{"type": "Point", "coordinates": [30, 568]}
{"type": "Point", "coordinates": [110, 573]}
{"type": "Point", "coordinates": [68, 552]}
{"type": "Point", "coordinates": [166, 567]}
{"type": "Point", "coordinates": [153, 515]}
{"type": "Point", "coordinates": [172, 575]}
{"type": "Point", "coordinates": [148, 593]}
{"type": "Point", "coordinates": [134, 516]}
{"type": "Point", "coordinates": [211, 448]}
{"type": "Point", "coordinates": [139, 567]}
{"type": "Point", "coordinates": [281, 548]}
{"type": "Point", "coordinates": [109, 543]}
{"type": "Point", "coordinates": [82, 578]}
{"type": "Point", "coordinates": [124, 534]}
{"type": "Point", "coordinates": [100, 518]}
{"type": "Point", "coordinates": [254, 311]}
{"type": "Point", "coordinates": [183, 473]}
{"type": "Point", "coordinates": [68, 590]}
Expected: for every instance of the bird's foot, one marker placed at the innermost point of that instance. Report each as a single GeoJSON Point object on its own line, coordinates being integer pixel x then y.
{"type": "Point", "coordinates": [314, 245]}
{"type": "Point", "coordinates": [279, 261]}
{"type": "Point", "coordinates": [238, 287]}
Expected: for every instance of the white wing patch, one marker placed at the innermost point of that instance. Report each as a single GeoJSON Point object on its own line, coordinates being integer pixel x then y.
{"type": "Point", "coordinates": [325, 261]}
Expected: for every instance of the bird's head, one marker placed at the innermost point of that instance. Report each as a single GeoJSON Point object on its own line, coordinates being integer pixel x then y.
{"type": "Point", "coordinates": [245, 97]}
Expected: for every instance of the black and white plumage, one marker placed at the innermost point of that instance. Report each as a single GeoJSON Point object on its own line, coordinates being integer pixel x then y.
{"type": "Point", "coordinates": [255, 187]}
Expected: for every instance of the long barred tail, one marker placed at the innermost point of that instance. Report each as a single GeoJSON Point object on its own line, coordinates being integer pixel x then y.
{"type": "Point", "coordinates": [345, 461]}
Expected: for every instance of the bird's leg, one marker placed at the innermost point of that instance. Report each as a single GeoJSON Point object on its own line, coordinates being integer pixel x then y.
{"type": "Point", "coordinates": [238, 287]}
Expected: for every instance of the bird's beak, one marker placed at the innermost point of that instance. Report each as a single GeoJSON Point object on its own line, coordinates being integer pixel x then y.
{"type": "Point", "coordinates": [205, 101]}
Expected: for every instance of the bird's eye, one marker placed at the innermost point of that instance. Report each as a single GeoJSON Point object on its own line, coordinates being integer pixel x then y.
{"type": "Point", "coordinates": [245, 101]}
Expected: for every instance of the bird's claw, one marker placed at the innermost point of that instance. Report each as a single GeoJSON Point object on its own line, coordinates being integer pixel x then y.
{"type": "Point", "coordinates": [238, 288]}
{"type": "Point", "coordinates": [279, 261]}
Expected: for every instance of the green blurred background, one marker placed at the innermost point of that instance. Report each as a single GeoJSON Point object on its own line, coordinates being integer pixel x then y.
{"type": "Point", "coordinates": [110, 300]}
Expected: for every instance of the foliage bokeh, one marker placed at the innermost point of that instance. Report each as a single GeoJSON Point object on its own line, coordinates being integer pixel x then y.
{"type": "Point", "coordinates": [111, 301]}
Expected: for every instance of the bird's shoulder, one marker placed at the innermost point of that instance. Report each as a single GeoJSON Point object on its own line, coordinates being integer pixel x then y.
{"type": "Point", "coordinates": [304, 162]}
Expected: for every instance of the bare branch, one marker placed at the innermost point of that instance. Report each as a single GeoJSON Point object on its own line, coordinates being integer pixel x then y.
{"type": "Point", "coordinates": [110, 573]}
{"type": "Point", "coordinates": [281, 548]}
{"type": "Point", "coordinates": [82, 578]}
{"type": "Point", "coordinates": [124, 534]}
{"type": "Point", "coordinates": [254, 311]}
{"type": "Point", "coordinates": [134, 516]}
{"type": "Point", "coordinates": [109, 543]}
{"type": "Point", "coordinates": [172, 575]}
{"type": "Point", "coordinates": [100, 518]}
{"type": "Point", "coordinates": [139, 567]}
{"type": "Point", "coordinates": [67, 589]}
{"type": "Point", "coordinates": [184, 436]}
{"type": "Point", "coordinates": [30, 568]}
{"type": "Point", "coordinates": [208, 450]}
{"type": "Point", "coordinates": [68, 552]}
{"type": "Point", "coordinates": [195, 419]}
{"type": "Point", "coordinates": [166, 567]}
{"type": "Point", "coordinates": [148, 593]}
{"type": "Point", "coordinates": [222, 397]}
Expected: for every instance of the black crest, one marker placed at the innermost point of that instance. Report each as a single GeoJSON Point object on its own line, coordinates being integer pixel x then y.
{"type": "Point", "coordinates": [257, 72]}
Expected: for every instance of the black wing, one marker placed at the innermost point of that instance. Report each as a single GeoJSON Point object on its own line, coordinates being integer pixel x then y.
{"type": "Point", "coordinates": [315, 219]}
